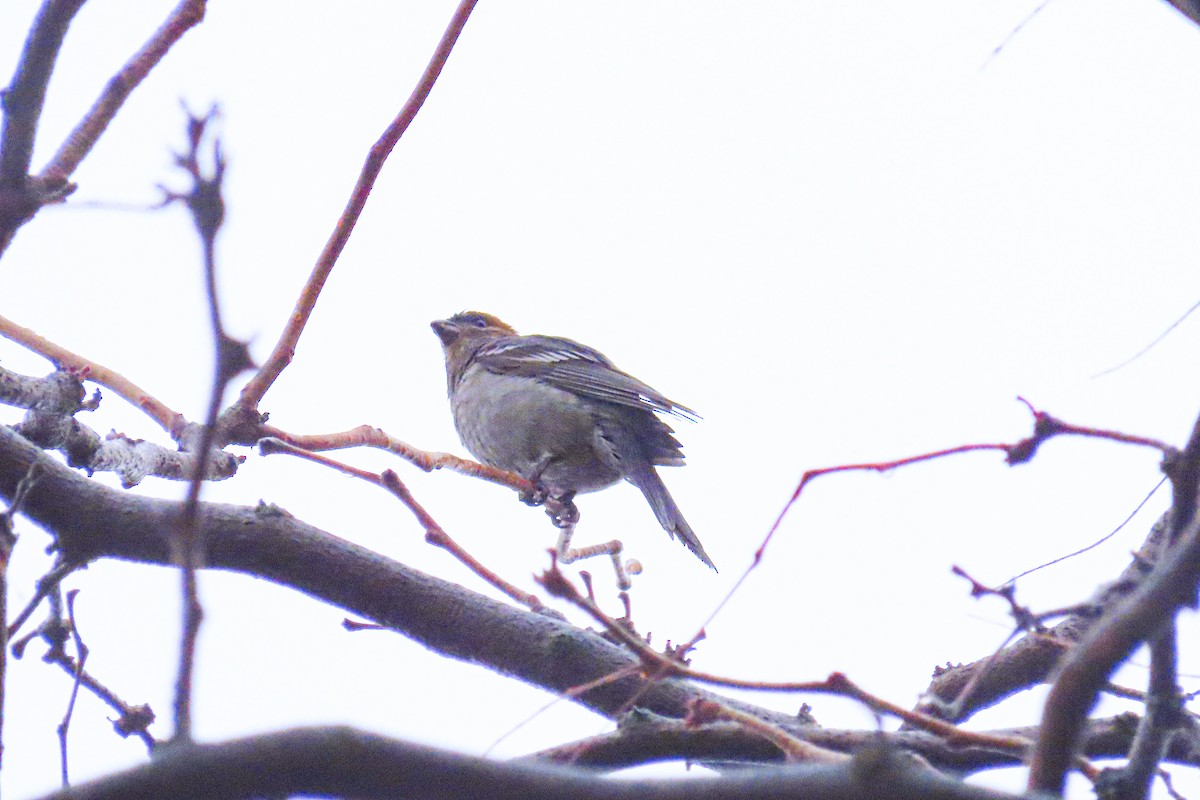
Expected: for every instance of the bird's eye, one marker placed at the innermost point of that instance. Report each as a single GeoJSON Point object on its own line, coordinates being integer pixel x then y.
{"type": "Point", "coordinates": [480, 322]}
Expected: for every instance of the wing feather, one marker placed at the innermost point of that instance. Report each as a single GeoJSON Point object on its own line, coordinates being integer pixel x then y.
{"type": "Point", "coordinates": [575, 368]}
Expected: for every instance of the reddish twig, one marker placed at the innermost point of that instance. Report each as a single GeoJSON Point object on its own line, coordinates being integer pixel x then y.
{"type": "Point", "coordinates": [170, 421]}
{"type": "Point", "coordinates": [21, 196]}
{"type": "Point", "coordinates": [434, 533]}
{"type": "Point", "coordinates": [1025, 618]}
{"type": "Point", "coordinates": [657, 666]}
{"type": "Point", "coordinates": [794, 749]}
{"type": "Point", "coordinates": [83, 138]}
{"type": "Point", "coordinates": [285, 348]}
{"type": "Point", "coordinates": [368, 436]}
{"type": "Point", "coordinates": [1045, 427]}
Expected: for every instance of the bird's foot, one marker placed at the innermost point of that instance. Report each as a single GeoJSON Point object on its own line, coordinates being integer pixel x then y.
{"type": "Point", "coordinates": [536, 496]}
{"type": "Point", "coordinates": [562, 510]}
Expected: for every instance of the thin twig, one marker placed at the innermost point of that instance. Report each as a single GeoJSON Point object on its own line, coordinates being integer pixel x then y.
{"type": "Point", "coordinates": [657, 666]}
{"type": "Point", "coordinates": [8, 539]}
{"type": "Point", "coordinates": [82, 652]}
{"type": "Point", "coordinates": [1096, 543]}
{"type": "Point", "coordinates": [83, 138]}
{"type": "Point", "coordinates": [285, 348]}
{"type": "Point", "coordinates": [1164, 714]}
{"type": "Point", "coordinates": [794, 749]}
{"type": "Point", "coordinates": [85, 369]}
{"type": "Point", "coordinates": [232, 357]}
{"type": "Point", "coordinates": [1045, 427]}
{"type": "Point", "coordinates": [1013, 33]}
{"type": "Point", "coordinates": [958, 692]}
{"type": "Point", "coordinates": [434, 533]}
{"type": "Point", "coordinates": [1142, 617]}
{"type": "Point", "coordinates": [369, 436]}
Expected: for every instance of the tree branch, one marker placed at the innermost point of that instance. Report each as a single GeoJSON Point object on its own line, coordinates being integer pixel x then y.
{"type": "Point", "coordinates": [1143, 616]}
{"type": "Point", "coordinates": [285, 348]}
{"type": "Point", "coordinates": [343, 762]}
{"type": "Point", "coordinates": [956, 693]}
{"type": "Point", "coordinates": [92, 521]}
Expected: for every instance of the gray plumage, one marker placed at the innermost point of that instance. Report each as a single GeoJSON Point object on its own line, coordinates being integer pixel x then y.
{"type": "Point", "coordinates": [560, 414]}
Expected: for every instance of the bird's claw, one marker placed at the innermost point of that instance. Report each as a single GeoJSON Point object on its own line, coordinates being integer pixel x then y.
{"type": "Point", "coordinates": [536, 496]}
{"type": "Point", "coordinates": [562, 510]}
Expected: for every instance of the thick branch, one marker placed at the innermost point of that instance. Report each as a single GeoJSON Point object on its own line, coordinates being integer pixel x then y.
{"type": "Point", "coordinates": [642, 738]}
{"type": "Point", "coordinates": [53, 402]}
{"type": "Point", "coordinates": [93, 521]}
{"type": "Point", "coordinates": [342, 762]}
{"type": "Point", "coordinates": [1031, 660]}
{"type": "Point", "coordinates": [1189, 8]}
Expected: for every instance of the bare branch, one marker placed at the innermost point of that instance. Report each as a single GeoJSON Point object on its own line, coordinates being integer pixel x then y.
{"type": "Point", "coordinates": [1164, 715]}
{"type": "Point", "coordinates": [285, 348]}
{"type": "Point", "coordinates": [1045, 427]}
{"type": "Point", "coordinates": [83, 138]}
{"type": "Point", "coordinates": [53, 402]}
{"type": "Point", "coordinates": [231, 357]}
{"type": "Point", "coordinates": [368, 436]}
{"type": "Point", "coordinates": [434, 533]}
{"type": "Point", "coordinates": [92, 521]}
{"type": "Point", "coordinates": [25, 96]}
{"type": "Point", "coordinates": [957, 692]}
{"type": "Point", "coordinates": [131, 720]}
{"type": "Point", "coordinates": [171, 421]}
{"type": "Point", "coordinates": [1189, 8]}
{"type": "Point", "coordinates": [81, 652]}
{"type": "Point", "coordinates": [8, 539]}
{"type": "Point", "coordinates": [343, 762]}
{"type": "Point", "coordinates": [20, 195]}
{"type": "Point", "coordinates": [1142, 617]}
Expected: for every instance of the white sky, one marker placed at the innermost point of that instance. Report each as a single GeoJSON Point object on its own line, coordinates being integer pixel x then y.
{"type": "Point", "coordinates": [841, 232]}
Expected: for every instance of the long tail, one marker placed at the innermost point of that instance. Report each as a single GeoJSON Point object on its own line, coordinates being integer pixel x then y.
{"type": "Point", "coordinates": [669, 515]}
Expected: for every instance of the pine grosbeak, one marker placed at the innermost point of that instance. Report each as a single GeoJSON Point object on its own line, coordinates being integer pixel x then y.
{"type": "Point", "coordinates": [560, 415]}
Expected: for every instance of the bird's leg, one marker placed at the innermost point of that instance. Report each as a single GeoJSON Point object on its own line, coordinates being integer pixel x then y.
{"type": "Point", "coordinates": [560, 505]}
{"type": "Point", "coordinates": [562, 509]}
{"type": "Point", "coordinates": [540, 493]}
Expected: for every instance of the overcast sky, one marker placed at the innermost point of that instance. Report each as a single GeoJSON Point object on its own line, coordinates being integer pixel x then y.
{"type": "Point", "coordinates": [839, 231]}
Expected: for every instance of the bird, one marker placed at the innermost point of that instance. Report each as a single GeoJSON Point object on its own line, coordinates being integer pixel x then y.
{"type": "Point", "coordinates": [561, 415]}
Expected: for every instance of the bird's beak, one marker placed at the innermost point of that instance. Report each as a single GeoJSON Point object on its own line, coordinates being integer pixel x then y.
{"type": "Point", "coordinates": [446, 330]}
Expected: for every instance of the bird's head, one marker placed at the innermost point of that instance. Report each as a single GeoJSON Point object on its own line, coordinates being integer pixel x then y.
{"type": "Point", "coordinates": [469, 326]}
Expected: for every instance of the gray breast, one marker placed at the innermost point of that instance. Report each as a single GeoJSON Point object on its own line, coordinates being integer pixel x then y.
{"type": "Point", "coordinates": [537, 431]}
